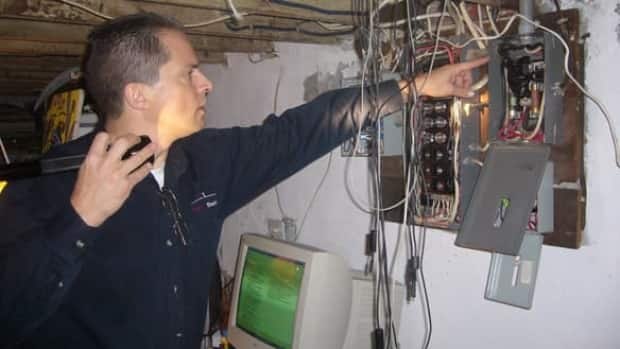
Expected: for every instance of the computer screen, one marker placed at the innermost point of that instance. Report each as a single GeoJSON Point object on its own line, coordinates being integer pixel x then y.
{"type": "Point", "coordinates": [270, 287]}
{"type": "Point", "coordinates": [288, 296]}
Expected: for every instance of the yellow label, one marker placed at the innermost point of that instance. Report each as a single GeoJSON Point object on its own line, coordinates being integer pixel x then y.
{"type": "Point", "coordinates": [62, 116]}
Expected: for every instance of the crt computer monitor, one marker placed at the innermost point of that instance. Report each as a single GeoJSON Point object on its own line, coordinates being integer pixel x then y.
{"type": "Point", "coordinates": [288, 296]}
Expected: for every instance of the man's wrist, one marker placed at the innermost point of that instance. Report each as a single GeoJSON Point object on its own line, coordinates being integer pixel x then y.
{"type": "Point", "coordinates": [407, 85]}
{"type": "Point", "coordinates": [90, 218]}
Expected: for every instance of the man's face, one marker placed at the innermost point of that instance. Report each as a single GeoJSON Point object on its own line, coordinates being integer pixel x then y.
{"type": "Point", "coordinates": [180, 95]}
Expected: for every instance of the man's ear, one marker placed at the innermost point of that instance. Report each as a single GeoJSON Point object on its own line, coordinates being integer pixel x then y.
{"type": "Point", "coordinates": [136, 95]}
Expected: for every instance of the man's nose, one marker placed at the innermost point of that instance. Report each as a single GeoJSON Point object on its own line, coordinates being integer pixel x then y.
{"type": "Point", "coordinates": [203, 85]}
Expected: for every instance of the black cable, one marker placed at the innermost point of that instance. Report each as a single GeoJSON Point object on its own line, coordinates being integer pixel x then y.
{"type": "Point", "coordinates": [418, 253]}
{"type": "Point", "coordinates": [317, 9]}
{"type": "Point", "coordinates": [428, 308]}
{"type": "Point", "coordinates": [297, 29]}
{"type": "Point", "coordinates": [382, 278]}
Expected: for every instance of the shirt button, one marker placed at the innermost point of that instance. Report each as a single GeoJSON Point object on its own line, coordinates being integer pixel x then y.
{"type": "Point", "coordinates": [179, 334]}
{"type": "Point", "coordinates": [79, 244]}
{"type": "Point", "coordinates": [168, 242]}
{"type": "Point", "coordinates": [175, 288]}
{"type": "Point", "coordinates": [61, 284]}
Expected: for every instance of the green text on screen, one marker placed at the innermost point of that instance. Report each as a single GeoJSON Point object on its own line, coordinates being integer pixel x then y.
{"type": "Point", "coordinates": [270, 288]}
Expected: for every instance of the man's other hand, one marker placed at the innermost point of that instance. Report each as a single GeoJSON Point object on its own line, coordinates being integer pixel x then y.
{"type": "Point", "coordinates": [449, 80]}
{"type": "Point", "coordinates": [104, 180]}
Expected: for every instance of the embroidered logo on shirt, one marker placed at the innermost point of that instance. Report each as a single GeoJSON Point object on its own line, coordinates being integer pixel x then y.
{"type": "Point", "coordinates": [204, 200]}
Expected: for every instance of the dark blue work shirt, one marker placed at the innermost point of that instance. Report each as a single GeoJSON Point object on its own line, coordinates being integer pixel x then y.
{"type": "Point", "coordinates": [132, 282]}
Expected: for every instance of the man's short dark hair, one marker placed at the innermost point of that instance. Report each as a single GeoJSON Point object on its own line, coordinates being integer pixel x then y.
{"type": "Point", "coordinates": [121, 51]}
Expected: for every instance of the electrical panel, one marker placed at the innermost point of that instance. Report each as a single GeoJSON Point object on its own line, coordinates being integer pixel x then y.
{"type": "Point", "coordinates": [520, 106]}
{"type": "Point", "coordinates": [439, 179]}
{"type": "Point", "coordinates": [502, 168]}
{"type": "Point", "coordinates": [525, 88]}
{"type": "Point", "coordinates": [441, 133]}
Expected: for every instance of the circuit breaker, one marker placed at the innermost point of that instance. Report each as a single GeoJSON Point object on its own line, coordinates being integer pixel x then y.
{"type": "Point", "coordinates": [522, 105]}
{"type": "Point", "coordinates": [525, 105]}
{"type": "Point", "coordinates": [440, 131]}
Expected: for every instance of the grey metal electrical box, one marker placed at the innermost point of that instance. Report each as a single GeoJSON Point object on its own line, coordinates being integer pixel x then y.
{"type": "Point", "coordinates": [512, 279]}
{"type": "Point", "coordinates": [553, 81]}
{"type": "Point", "coordinates": [505, 194]}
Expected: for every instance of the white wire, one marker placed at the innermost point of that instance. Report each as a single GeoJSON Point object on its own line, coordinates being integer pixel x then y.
{"type": "Point", "coordinates": [214, 21]}
{"type": "Point", "coordinates": [365, 207]}
{"type": "Point", "coordinates": [4, 153]}
{"type": "Point", "coordinates": [418, 18]}
{"type": "Point", "coordinates": [383, 3]}
{"type": "Point", "coordinates": [541, 115]}
{"type": "Point", "coordinates": [480, 24]}
{"type": "Point", "coordinates": [456, 119]}
{"type": "Point", "coordinates": [316, 193]}
{"type": "Point", "coordinates": [334, 26]}
{"type": "Point", "coordinates": [360, 122]}
{"type": "Point", "coordinates": [457, 18]}
{"type": "Point", "coordinates": [430, 68]}
{"type": "Point", "coordinates": [86, 8]}
{"type": "Point", "coordinates": [471, 25]}
{"type": "Point", "coordinates": [491, 21]}
{"type": "Point", "coordinates": [275, 110]}
{"type": "Point", "coordinates": [236, 15]}
{"type": "Point", "coordinates": [481, 83]}
{"type": "Point", "coordinates": [596, 101]}
{"type": "Point", "coordinates": [483, 38]}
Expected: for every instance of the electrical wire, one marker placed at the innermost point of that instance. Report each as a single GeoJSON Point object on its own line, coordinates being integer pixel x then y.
{"type": "Point", "coordinates": [86, 9]}
{"type": "Point", "coordinates": [216, 20]}
{"type": "Point", "coordinates": [318, 188]}
{"type": "Point", "coordinates": [297, 29]}
{"type": "Point", "coordinates": [596, 101]}
{"type": "Point", "coordinates": [541, 114]}
{"type": "Point", "coordinates": [491, 20]}
{"type": "Point", "coordinates": [7, 161]}
{"type": "Point", "coordinates": [418, 18]}
{"type": "Point", "coordinates": [426, 304]}
{"type": "Point", "coordinates": [316, 9]}
{"type": "Point", "coordinates": [480, 24]}
{"type": "Point", "coordinates": [430, 69]}
{"type": "Point", "coordinates": [586, 93]}
{"type": "Point", "coordinates": [316, 193]}
{"type": "Point", "coordinates": [234, 15]}
{"type": "Point", "coordinates": [356, 202]}
{"type": "Point", "coordinates": [275, 110]}
{"type": "Point", "coordinates": [475, 32]}
{"type": "Point", "coordinates": [457, 17]}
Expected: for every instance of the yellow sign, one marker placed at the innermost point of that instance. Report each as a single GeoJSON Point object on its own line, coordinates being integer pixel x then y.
{"type": "Point", "coordinates": [2, 185]}
{"type": "Point", "coordinates": [62, 116]}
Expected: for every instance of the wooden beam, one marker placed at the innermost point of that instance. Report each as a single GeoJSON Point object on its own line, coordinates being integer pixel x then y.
{"type": "Point", "coordinates": [45, 33]}
{"type": "Point", "coordinates": [38, 64]}
{"type": "Point", "coordinates": [16, 28]}
{"type": "Point", "coordinates": [569, 202]}
{"type": "Point", "coordinates": [213, 58]}
{"type": "Point", "coordinates": [184, 14]}
{"type": "Point", "coordinates": [27, 75]}
{"type": "Point", "coordinates": [10, 87]}
{"type": "Point", "coordinates": [37, 48]}
{"type": "Point", "coordinates": [58, 11]}
{"type": "Point", "coordinates": [266, 8]}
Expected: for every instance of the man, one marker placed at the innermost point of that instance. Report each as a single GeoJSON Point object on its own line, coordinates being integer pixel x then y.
{"type": "Point", "coordinates": [112, 257]}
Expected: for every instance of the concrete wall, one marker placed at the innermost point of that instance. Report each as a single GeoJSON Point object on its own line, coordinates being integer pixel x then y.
{"type": "Point", "coordinates": [577, 302]}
